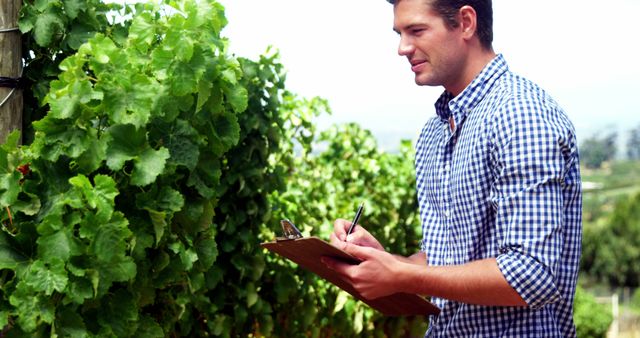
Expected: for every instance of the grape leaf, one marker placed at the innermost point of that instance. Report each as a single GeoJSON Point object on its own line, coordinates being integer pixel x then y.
{"type": "Point", "coordinates": [148, 166]}
{"type": "Point", "coordinates": [47, 277]}
{"type": "Point", "coordinates": [129, 143]}
{"type": "Point", "coordinates": [70, 324]}
{"type": "Point", "coordinates": [10, 257]}
{"type": "Point", "coordinates": [73, 7]}
{"type": "Point", "coordinates": [56, 246]}
{"type": "Point", "coordinates": [47, 25]}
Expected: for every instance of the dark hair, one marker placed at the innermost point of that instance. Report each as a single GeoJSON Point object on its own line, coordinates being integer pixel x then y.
{"type": "Point", "coordinates": [448, 10]}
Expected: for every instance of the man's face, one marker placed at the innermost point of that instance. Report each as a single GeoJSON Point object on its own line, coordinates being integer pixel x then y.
{"type": "Point", "coordinates": [434, 50]}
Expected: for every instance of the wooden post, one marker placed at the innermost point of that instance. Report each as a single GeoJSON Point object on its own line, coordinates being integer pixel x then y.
{"type": "Point", "coordinates": [10, 66]}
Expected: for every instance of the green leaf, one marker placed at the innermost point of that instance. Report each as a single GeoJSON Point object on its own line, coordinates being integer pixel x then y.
{"type": "Point", "coordinates": [61, 137]}
{"type": "Point", "coordinates": [28, 207]}
{"type": "Point", "coordinates": [103, 196]}
{"type": "Point", "coordinates": [47, 26]}
{"type": "Point", "coordinates": [80, 289]}
{"type": "Point", "coordinates": [73, 7]}
{"type": "Point", "coordinates": [161, 60]}
{"type": "Point", "coordinates": [226, 132]}
{"type": "Point", "coordinates": [122, 269]}
{"type": "Point", "coordinates": [10, 257]}
{"type": "Point", "coordinates": [237, 97]}
{"type": "Point", "coordinates": [149, 328]}
{"type": "Point", "coordinates": [185, 76]}
{"type": "Point", "coordinates": [130, 99]}
{"type": "Point", "coordinates": [148, 166]}
{"type": "Point", "coordinates": [182, 45]}
{"type": "Point", "coordinates": [251, 294]}
{"type": "Point", "coordinates": [78, 35]}
{"type": "Point", "coordinates": [340, 301]}
{"type": "Point", "coordinates": [32, 307]}
{"type": "Point", "coordinates": [204, 92]}
{"type": "Point", "coordinates": [4, 318]}
{"type": "Point", "coordinates": [43, 5]}
{"type": "Point", "coordinates": [158, 219]}
{"type": "Point", "coordinates": [188, 257]}
{"type": "Point", "coordinates": [118, 312]}
{"type": "Point", "coordinates": [206, 177]}
{"type": "Point", "coordinates": [47, 277]}
{"type": "Point", "coordinates": [182, 141]}
{"type": "Point", "coordinates": [70, 324]}
{"type": "Point", "coordinates": [207, 250]}
{"type": "Point", "coordinates": [93, 157]}
{"type": "Point", "coordinates": [27, 21]}
{"type": "Point", "coordinates": [129, 143]}
{"type": "Point", "coordinates": [10, 143]}
{"type": "Point", "coordinates": [160, 198]}
{"type": "Point", "coordinates": [56, 247]}
{"type": "Point", "coordinates": [126, 143]}
{"type": "Point", "coordinates": [99, 197]}
{"type": "Point", "coordinates": [9, 188]}
{"type": "Point", "coordinates": [103, 51]}
{"type": "Point", "coordinates": [111, 241]}
{"type": "Point", "coordinates": [142, 31]}
{"type": "Point", "coordinates": [65, 103]}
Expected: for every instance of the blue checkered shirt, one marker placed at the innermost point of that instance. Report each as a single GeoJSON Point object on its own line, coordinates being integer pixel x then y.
{"type": "Point", "coordinates": [504, 183]}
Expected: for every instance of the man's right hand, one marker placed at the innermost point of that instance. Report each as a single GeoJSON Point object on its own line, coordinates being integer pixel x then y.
{"type": "Point", "coordinates": [359, 236]}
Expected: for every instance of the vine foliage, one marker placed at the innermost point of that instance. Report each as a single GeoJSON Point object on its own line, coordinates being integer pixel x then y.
{"type": "Point", "coordinates": [133, 202]}
{"type": "Point", "coordinates": [155, 163]}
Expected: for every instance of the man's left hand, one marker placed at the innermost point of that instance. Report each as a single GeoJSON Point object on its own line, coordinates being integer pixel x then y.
{"type": "Point", "coordinates": [376, 276]}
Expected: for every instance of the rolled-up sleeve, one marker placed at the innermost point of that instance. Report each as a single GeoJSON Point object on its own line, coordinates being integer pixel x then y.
{"type": "Point", "coordinates": [531, 157]}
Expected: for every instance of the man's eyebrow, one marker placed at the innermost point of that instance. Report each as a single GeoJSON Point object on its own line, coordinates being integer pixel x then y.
{"type": "Point", "coordinates": [409, 27]}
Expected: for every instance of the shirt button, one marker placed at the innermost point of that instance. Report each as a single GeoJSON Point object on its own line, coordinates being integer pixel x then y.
{"type": "Point", "coordinates": [449, 260]}
{"type": "Point", "coordinates": [447, 213]}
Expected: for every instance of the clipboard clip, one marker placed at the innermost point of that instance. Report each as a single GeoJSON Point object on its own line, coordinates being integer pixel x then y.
{"type": "Point", "coordinates": [289, 231]}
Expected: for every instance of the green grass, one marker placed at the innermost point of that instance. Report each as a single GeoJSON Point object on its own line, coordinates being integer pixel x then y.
{"type": "Point", "coordinates": [614, 175]}
{"type": "Point", "coordinates": [617, 180]}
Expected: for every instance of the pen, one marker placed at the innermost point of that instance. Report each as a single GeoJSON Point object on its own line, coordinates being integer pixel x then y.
{"type": "Point", "coordinates": [355, 219]}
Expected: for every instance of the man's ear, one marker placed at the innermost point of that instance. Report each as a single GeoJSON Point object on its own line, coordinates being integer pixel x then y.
{"type": "Point", "coordinates": [468, 21]}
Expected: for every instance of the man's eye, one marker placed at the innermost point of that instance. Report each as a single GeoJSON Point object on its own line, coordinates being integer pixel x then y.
{"type": "Point", "coordinates": [417, 31]}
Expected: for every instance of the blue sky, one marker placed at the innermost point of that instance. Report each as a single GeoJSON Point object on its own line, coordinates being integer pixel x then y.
{"type": "Point", "coordinates": [583, 52]}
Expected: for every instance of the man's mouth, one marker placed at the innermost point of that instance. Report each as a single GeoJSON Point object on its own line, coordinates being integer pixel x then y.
{"type": "Point", "coordinates": [417, 65]}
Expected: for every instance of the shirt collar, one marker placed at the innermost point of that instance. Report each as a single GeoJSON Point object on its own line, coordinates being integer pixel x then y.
{"type": "Point", "coordinates": [459, 106]}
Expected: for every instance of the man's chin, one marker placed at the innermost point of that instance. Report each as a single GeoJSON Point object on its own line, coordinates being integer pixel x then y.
{"type": "Point", "coordinates": [424, 82]}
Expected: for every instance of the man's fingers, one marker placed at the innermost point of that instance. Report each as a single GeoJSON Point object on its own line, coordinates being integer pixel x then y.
{"type": "Point", "coordinates": [342, 268]}
{"type": "Point", "coordinates": [340, 227]}
{"type": "Point", "coordinates": [336, 242]}
{"type": "Point", "coordinates": [358, 251]}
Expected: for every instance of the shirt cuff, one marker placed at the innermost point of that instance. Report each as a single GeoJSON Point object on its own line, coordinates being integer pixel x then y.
{"type": "Point", "coordinates": [532, 280]}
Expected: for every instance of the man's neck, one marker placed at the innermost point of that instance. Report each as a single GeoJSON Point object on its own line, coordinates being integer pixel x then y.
{"type": "Point", "coordinates": [475, 63]}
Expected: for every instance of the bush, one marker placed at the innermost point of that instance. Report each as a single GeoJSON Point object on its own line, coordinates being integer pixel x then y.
{"type": "Point", "coordinates": [331, 184]}
{"type": "Point", "coordinates": [138, 207]}
{"type": "Point", "coordinates": [154, 167]}
{"type": "Point", "coordinates": [591, 318]}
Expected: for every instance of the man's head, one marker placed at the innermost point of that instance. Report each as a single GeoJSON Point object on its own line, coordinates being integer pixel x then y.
{"type": "Point", "coordinates": [449, 9]}
{"type": "Point", "coordinates": [443, 49]}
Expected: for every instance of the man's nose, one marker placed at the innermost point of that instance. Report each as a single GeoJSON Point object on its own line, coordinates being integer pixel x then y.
{"type": "Point", "coordinates": [405, 47]}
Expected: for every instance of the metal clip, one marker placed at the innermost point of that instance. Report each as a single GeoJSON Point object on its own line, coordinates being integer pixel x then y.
{"type": "Point", "coordinates": [289, 231]}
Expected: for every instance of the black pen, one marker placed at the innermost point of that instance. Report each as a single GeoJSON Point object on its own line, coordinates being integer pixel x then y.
{"type": "Point", "coordinates": [355, 219]}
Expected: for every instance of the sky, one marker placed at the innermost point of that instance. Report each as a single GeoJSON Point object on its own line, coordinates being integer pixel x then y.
{"type": "Point", "coordinates": [583, 52]}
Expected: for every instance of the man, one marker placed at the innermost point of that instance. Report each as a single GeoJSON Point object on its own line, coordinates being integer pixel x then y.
{"type": "Point", "coordinates": [498, 187]}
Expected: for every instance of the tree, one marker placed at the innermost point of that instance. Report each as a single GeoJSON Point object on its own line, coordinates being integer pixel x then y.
{"type": "Point", "coordinates": [611, 251]}
{"type": "Point", "coordinates": [633, 144]}
{"type": "Point", "coordinates": [595, 150]}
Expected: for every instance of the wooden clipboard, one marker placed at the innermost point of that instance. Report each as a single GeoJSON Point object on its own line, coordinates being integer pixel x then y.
{"type": "Point", "coordinates": [307, 252]}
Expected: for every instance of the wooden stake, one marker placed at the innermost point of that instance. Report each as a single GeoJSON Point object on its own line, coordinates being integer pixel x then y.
{"type": "Point", "coordinates": [10, 66]}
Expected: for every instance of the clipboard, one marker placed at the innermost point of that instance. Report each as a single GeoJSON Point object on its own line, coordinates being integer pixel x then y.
{"type": "Point", "coordinates": [306, 252]}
